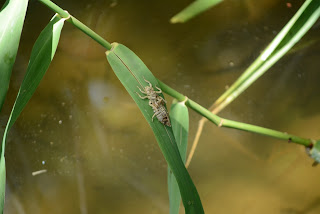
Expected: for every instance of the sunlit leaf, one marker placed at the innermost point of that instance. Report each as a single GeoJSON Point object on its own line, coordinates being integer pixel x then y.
{"type": "Point", "coordinates": [180, 125]}
{"type": "Point", "coordinates": [194, 9]}
{"type": "Point", "coordinates": [11, 21]}
{"type": "Point", "coordinates": [41, 56]}
{"type": "Point", "coordinates": [131, 71]}
{"type": "Point", "coordinates": [295, 29]}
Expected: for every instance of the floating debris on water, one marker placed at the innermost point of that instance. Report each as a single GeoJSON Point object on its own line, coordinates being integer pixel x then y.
{"type": "Point", "coordinates": [39, 172]}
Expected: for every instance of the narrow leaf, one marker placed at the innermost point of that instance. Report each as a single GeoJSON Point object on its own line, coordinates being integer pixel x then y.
{"type": "Point", "coordinates": [132, 73]}
{"type": "Point", "coordinates": [295, 29]}
{"type": "Point", "coordinates": [42, 53]}
{"type": "Point", "coordinates": [193, 10]}
{"type": "Point", "coordinates": [180, 125]}
{"type": "Point", "coordinates": [11, 21]}
{"type": "Point", "coordinates": [2, 182]}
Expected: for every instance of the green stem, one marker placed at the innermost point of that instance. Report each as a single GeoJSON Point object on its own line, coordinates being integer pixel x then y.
{"type": "Point", "coordinates": [77, 23]}
{"type": "Point", "coordinates": [221, 122]}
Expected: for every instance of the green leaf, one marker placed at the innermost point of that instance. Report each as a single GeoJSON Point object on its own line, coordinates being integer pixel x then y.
{"type": "Point", "coordinates": [193, 10]}
{"type": "Point", "coordinates": [295, 29]}
{"type": "Point", "coordinates": [180, 125]}
{"type": "Point", "coordinates": [2, 182]}
{"type": "Point", "coordinates": [41, 56]}
{"type": "Point", "coordinates": [131, 71]}
{"type": "Point", "coordinates": [11, 21]}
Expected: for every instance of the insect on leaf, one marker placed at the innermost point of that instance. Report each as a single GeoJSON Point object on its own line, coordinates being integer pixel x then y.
{"type": "Point", "coordinates": [132, 72]}
{"type": "Point", "coordinates": [42, 53]}
{"type": "Point", "coordinates": [180, 125]}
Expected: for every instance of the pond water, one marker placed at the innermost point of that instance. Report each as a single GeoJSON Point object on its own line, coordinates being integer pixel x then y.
{"type": "Point", "coordinates": [98, 155]}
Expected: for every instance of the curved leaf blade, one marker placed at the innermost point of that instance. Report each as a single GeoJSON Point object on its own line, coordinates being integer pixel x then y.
{"type": "Point", "coordinates": [194, 9]}
{"type": "Point", "coordinates": [12, 16]}
{"type": "Point", "coordinates": [131, 71]}
{"type": "Point", "coordinates": [294, 30]}
{"type": "Point", "coordinates": [41, 56]}
{"type": "Point", "coordinates": [180, 125]}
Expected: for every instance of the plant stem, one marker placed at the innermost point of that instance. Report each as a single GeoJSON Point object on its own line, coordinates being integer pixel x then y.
{"type": "Point", "coordinates": [221, 122]}
{"type": "Point", "coordinates": [77, 23]}
{"type": "Point", "coordinates": [90, 33]}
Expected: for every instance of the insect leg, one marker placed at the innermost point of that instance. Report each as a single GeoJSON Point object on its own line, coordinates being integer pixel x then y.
{"type": "Point", "coordinates": [153, 116]}
{"type": "Point", "coordinates": [141, 96]}
{"type": "Point", "coordinates": [160, 99]}
{"type": "Point", "coordinates": [158, 92]}
{"type": "Point", "coordinates": [142, 91]}
{"type": "Point", "coordinates": [148, 82]}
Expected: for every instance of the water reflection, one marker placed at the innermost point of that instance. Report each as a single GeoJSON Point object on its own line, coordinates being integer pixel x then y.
{"type": "Point", "coordinates": [100, 155]}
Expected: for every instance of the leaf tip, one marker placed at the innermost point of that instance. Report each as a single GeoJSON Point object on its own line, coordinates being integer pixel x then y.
{"type": "Point", "coordinates": [176, 19]}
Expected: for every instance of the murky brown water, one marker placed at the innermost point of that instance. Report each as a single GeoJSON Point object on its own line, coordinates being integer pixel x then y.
{"type": "Point", "coordinates": [101, 156]}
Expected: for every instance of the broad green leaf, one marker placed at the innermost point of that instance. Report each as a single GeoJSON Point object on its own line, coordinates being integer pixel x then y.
{"type": "Point", "coordinates": [11, 21]}
{"type": "Point", "coordinates": [41, 56]}
{"type": "Point", "coordinates": [131, 71]}
{"type": "Point", "coordinates": [180, 125]}
{"type": "Point", "coordinates": [193, 10]}
{"type": "Point", "coordinates": [295, 29]}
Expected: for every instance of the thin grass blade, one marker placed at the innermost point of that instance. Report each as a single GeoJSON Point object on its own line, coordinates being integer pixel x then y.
{"type": "Point", "coordinates": [295, 29]}
{"type": "Point", "coordinates": [11, 22]}
{"type": "Point", "coordinates": [180, 125]}
{"type": "Point", "coordinates": [132, 73]}
{"type": "Point", "coordinates": [41, 56]}
{"type": "Point", "coordinates": [2, 182]}
{"type": "Point", "coordinates": [194, 9]}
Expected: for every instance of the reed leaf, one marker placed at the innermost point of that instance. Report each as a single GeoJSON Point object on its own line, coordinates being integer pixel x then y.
{"type": "Point", "coordinates": [41, 56]}
{"type": "Point", "coordinates": [194, 9]}
{"type": "Point", "coordinates": [132, 72]}
{"type": "Point", "coordinates": [294, 30]}
{"type": "Point", "coordinates": [180, 125]}
{"type": "Point", "coordinates": [2, 182]}
{"type": "Point", "coordinates": [11, 22]}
